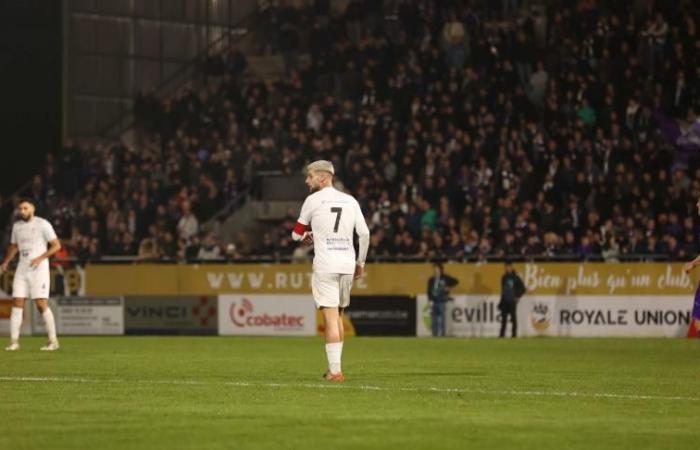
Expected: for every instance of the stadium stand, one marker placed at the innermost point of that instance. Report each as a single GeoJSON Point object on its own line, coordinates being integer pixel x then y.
{"type": "Point", "coordinates": [467, 130]}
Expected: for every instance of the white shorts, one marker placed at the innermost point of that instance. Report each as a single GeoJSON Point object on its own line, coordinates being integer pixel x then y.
{"type": "Point", "coordinates": [331, 290]}
{"type": "Point", "coordinates": [29, 283]}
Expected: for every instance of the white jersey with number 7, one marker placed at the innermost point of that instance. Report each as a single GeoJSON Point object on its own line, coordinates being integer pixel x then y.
{"type": "Point", "coordinates": [333, 217]}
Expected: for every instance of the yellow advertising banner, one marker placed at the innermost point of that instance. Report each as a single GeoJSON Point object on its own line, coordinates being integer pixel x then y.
{"type": "Point", "coordinates": [390, 279]}
{"type": "Point", "coordinates": [71, 278]}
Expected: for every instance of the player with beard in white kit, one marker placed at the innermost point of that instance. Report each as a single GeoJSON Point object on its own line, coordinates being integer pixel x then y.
{"type": "Point", "coordinates": [328, 220]}
{"type": "Point", "coordinates": [30, 238]}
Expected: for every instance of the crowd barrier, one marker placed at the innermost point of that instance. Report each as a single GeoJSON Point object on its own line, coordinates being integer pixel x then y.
{"type": "Point", "coordinates": [562, 299]}
{"type": "Point", "coordinates": [388, 279]}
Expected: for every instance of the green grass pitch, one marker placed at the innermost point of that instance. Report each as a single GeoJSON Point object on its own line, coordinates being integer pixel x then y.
{"type": "Point", "coordinates": [400, 393]}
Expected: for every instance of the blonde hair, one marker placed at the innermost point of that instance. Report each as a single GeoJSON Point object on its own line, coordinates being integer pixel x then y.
{"type": "Point", "coordinates": [321, 165]}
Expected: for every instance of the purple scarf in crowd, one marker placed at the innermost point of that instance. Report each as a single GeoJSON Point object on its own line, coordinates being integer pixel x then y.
{"type": "Point", "coordinates": [686, 138]}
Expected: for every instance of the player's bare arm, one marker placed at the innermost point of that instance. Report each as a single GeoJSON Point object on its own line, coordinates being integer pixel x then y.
{"type": "Point", "coordinates": [54, 247]}
{"type": "Point", "coordinates": [362, 231]}
{"type": "Point", "coordinates": [307, 238]}
{"type": "Point", "coordinates": [692, 264]}
{"type": "Point", "coordinates": [689, 266]}
{"type": "Point", "coordinates": [11, 253]}
{"type": "Point", "coordinates": [359, 272]}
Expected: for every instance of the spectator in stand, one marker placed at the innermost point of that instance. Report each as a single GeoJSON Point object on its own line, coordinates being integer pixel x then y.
{"type": "Point", "coordinates": [148, 251]}
{"type": "Point", "coordinates": [210, 250]}
{"type": "Point", "coordinates": [188, 225]}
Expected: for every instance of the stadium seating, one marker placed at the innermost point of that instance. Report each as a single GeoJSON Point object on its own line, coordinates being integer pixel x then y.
{"type": "Point", "coordinates": [550, 130]}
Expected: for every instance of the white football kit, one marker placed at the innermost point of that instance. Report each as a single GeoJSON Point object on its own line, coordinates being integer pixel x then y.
{"type": "Point", "coordinates": [32, 239]}
{"type": "Point", "coordinates": [334, 217]}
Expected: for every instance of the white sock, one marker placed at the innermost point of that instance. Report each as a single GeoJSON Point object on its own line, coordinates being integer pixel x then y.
{"type": "Point", "coordinates": [50, 324]}
{"type": "Point", "coordinates": [333, 354]}
{"type": "Point", "coordinates": [15, 323]}
{"type": "Point", "coordinates": [341, 349]}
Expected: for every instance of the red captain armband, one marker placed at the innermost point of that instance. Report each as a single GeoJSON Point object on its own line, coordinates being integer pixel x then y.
{"type": "Point", "coordinates": [300, 228]}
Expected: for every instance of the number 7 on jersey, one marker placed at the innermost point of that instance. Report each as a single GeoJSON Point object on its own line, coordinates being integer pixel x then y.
{"type": "Point", "coordinates": [339, 212]}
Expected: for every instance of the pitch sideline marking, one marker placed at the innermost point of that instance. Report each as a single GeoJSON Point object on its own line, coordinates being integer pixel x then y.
{"type": "Point", "coordinates": [352, 387]}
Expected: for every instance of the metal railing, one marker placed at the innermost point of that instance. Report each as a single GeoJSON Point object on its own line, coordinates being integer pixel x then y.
{"type": "Point", "coordinates": [492, 258]}
{"type": "Point", "coordinates": [228, 209]}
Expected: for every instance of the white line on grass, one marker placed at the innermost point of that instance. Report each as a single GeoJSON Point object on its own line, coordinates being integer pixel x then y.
{"type": "Point", "coordinates": [351, 387]}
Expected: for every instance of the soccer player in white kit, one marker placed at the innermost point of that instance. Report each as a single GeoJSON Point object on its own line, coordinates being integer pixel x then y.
{"type": "Point", "coordinates": [328, 220]}
{"type": "Point", "coordinates": [30, 238]}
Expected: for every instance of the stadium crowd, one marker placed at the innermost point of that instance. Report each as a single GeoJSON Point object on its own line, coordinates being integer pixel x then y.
{"type": "Point", "coordinates": [465, 130]}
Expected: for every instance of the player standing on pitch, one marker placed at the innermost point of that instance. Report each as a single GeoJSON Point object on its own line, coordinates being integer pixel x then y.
{"type": "Point", "coordinates": [696, 304]}
{"type": "Point", "coordinates": [329, 220]}
{"type": "Point", "coordinates": [30, 238]}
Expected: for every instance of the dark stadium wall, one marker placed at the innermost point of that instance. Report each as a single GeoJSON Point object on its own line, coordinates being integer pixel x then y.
{"type": "Point", "coordinates": [31, 80]}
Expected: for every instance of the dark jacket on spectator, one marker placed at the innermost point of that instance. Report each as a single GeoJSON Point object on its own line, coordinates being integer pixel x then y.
{"type": "Point", "coordinates": [439, 288]}
{"type": "Point", "coordinates": [512, 288]}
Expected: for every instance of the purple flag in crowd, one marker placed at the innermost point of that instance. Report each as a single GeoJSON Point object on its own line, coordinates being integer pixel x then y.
{"type": "Point", "coordinates": [685, 137]}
